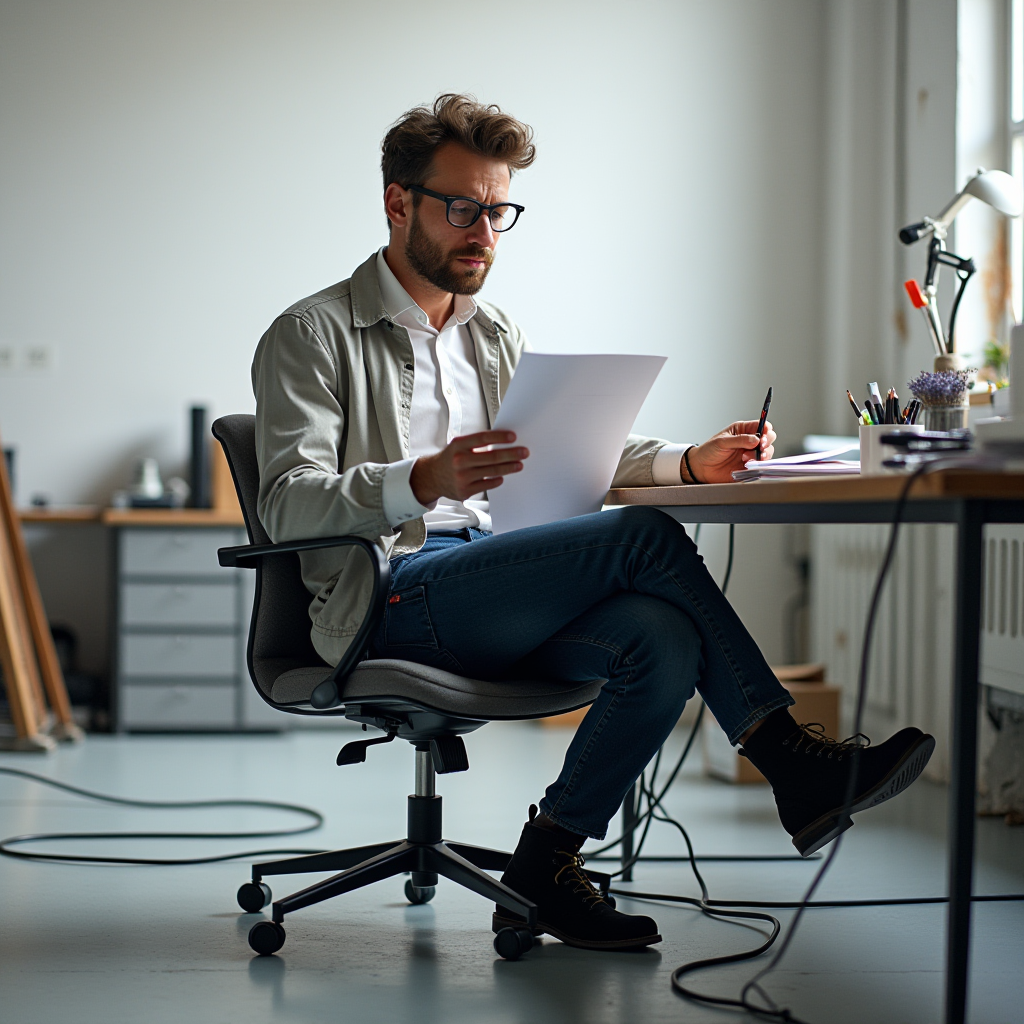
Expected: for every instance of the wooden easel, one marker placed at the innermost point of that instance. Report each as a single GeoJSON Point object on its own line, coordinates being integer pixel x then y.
{"type": "Point", "coordinates": [27, 654]}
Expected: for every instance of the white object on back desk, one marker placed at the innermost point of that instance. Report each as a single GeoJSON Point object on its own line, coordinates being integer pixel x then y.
{"type": "Point", "coordinates": [574, 413]}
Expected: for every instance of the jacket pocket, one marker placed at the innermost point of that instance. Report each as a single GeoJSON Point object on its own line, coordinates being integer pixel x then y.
{"type": "Point", "coordinates": [407, 620]}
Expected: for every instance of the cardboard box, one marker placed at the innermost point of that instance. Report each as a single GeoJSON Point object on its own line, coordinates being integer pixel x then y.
{"type": "Point", "coordinates": [572, 718]}
{"type": "Point", "coordinates": [815, 702]}
{"type": "Point", "coordinates": [812, 672]}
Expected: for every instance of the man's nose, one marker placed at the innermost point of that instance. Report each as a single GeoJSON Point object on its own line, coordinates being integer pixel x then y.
{"type": "Point", "coordinates": [481, 233]}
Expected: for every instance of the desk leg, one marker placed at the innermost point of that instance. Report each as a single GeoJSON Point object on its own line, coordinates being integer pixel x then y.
{"type": "Point", "coordinates": [628, 831]}
{"type": "Point", "coordinates": [963, 759]}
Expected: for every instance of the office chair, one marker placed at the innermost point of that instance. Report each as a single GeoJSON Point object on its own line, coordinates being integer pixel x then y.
{"type": "Point", "coordinates": [429, 708]}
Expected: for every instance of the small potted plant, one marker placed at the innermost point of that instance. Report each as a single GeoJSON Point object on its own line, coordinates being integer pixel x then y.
{"type": "Point", "coordinates": [944, 397]}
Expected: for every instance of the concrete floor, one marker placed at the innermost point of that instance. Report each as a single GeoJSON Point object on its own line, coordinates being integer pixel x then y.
{"type": "Point", "coordinates": [154, 945]}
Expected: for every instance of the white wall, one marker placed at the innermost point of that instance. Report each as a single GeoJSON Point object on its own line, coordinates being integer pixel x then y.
{"type": "Point", "coordinates": [173, 174]}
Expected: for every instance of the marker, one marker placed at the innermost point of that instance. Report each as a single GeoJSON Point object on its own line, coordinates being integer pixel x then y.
{"type": "Point", "coordinates": [920, 301]}
{"type": "Point", "coordinates": [876, 398]}
{"type": "Point", "coordinates": [761, 423]}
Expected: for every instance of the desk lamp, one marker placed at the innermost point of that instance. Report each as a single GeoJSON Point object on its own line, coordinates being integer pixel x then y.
{"type": "Point", "coordinates": [1002, 193]}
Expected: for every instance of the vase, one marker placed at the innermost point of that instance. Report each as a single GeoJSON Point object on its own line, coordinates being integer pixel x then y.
{"type": "Point", "coordinates": [945, 417]}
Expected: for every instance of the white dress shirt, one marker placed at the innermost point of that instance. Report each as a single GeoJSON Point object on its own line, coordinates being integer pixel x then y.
{"type": "Point", "coordinates": [448, 401]}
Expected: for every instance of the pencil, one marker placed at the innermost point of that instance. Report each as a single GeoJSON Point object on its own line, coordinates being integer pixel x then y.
{"type": "Point", "coordinates": [856, 408]}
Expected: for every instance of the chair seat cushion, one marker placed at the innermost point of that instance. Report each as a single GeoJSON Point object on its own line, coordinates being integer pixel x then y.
{"type": "Point", "coordinates": [442, 691]}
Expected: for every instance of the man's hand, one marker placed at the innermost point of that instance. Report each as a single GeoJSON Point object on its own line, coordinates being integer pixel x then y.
{"type": "Point", "coordinates": [465, 467]}
{"type": "Point", "coordinates": [713, 461]}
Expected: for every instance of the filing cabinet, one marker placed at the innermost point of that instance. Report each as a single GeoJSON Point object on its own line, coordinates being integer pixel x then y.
{"type": "Point", "coordinates": [181, 629]}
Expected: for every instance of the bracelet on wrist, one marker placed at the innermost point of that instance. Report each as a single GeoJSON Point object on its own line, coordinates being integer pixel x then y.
{"type": "Point", "coordinates": [689, 468]}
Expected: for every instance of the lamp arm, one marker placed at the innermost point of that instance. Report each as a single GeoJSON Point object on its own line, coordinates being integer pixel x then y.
{"type": "Point", "coordinates": [931, 289]}
{"type": "Point", "coordinates": [965, 270]}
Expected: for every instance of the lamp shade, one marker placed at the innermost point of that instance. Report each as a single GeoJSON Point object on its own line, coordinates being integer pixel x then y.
{"type": "Point", "coordinates": [999, 190]}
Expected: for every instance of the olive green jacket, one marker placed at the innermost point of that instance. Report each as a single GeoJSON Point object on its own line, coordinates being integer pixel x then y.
{"type": "Point", "coordinates": [333, 381]}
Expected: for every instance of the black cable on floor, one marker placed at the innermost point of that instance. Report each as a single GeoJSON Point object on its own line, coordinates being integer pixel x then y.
{"type": "Point", "coordinates": [647, 789]}
{"type": "Point", "coordinates": [7, 845]}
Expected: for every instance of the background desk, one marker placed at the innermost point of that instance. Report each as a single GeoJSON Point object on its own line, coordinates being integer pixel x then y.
{"type": "Point", "coordinates": [968, 500]}
{"type": "Point", "coordinates": [179, 621]}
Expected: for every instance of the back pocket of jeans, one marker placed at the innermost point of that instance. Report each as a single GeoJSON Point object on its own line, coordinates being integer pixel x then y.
{"type": "Point", "coordinates": [407, 621]}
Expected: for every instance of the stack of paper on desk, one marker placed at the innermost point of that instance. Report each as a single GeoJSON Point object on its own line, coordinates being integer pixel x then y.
{"type": "Point", "coordinates": [812, 464]}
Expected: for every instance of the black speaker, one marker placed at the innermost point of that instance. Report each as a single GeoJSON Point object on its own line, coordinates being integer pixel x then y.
{"type": "Point", "coordinates": [9, 459]}
{"type": "Point", "coordinates": [200, 476]}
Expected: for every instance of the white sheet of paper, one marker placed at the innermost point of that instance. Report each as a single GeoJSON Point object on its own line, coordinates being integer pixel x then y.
{"type": "Point", "coordinates": [574, 413]}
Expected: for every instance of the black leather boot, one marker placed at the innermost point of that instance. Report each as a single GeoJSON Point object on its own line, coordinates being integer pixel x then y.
{"type": "Point", "coordinates": [809, 773]}
{"type": "Point", "coordinates": [547, 869]}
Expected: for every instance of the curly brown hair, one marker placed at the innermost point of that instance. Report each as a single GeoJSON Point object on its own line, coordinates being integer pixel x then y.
{"type": "Point", "coordinates": [409, 146]}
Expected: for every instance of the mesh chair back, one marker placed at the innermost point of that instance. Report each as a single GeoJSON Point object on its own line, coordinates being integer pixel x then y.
{"type": "Point", "coordinates": [279, 634]}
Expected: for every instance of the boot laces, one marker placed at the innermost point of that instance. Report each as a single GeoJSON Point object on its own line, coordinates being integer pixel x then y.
{"type": "Point", "coordinates": [811, 738]}
{"type": "Point", "coordinates": [572, 873]}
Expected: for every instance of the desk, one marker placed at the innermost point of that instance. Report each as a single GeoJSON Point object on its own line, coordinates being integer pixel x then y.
{"type": "Point", "coordinates": [966, 499]}
{"type": "Point", "coordinates": [178, 621]}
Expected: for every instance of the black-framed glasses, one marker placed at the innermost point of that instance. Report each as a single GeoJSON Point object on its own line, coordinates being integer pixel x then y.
{"type": "Point", "coordinates": [463, 212]}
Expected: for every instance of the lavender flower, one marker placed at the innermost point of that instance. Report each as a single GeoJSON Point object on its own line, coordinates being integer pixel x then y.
{"type": "Point", "coordinates": [944, 387]}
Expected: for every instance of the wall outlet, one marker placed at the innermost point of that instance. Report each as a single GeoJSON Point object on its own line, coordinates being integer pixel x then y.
{"type": "Point", "coordinates": [39, 358]}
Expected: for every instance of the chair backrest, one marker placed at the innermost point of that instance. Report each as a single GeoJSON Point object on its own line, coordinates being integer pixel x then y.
{"type": "Point", "coordinates": [279, 633]}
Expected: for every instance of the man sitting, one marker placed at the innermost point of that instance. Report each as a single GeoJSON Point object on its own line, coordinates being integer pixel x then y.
{"type": "Point", "coordinates": [375, 404]}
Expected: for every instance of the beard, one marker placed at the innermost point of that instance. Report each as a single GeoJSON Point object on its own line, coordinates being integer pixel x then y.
{"type": "Point", "coordinates": [435, 263]}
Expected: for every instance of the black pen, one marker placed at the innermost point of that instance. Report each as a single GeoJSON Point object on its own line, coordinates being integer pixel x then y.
{"type": "Point", "coordinates": [761, 423]}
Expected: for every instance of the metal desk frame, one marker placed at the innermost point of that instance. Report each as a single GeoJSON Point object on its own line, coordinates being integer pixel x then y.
{"type": "Point", "coordinates": [969, 512]}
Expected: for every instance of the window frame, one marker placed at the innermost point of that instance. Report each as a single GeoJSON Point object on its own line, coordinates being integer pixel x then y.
{"type": "Point", "coordinates": [1015, 146]}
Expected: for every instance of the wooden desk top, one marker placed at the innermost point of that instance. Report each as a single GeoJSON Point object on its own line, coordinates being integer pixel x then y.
{"type": "Point", "coordinates": [60, 514]}
{"type": "Point", "coordinates": [947, 483]}
{"type": "Point", "coordinates": [131, 516]}
{"type": "Point", "coordinates": [173, 516]}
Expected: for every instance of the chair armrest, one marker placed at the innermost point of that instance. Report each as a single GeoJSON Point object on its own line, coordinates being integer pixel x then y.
{"type": "Point", "coordinates": [327, 694]}
{"type": "Point", "coordinates": [246, 556]}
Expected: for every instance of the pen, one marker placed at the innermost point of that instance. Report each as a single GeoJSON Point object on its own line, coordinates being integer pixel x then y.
{"type": "Point", "coordinates": [870, 413]}
{"type": "Point", "coordinates": [761, 423]}
{"type": "Point", "coordinates": [856, 408]}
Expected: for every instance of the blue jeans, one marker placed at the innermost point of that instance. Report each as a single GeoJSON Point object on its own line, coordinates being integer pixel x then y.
{"type": "Point", "coordinates": [620, 595]}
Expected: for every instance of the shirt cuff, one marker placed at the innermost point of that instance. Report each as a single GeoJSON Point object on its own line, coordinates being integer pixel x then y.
{"type": "Point", "coordinates": [400, 504]}
{"type": "Point", "coordinates": [665, 468]}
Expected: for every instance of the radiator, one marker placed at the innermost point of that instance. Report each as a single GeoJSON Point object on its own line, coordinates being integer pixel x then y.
{"type": "Point", "coordinates": [910, 669]}
{"type": "Point", "coordinates": [1002, 609]}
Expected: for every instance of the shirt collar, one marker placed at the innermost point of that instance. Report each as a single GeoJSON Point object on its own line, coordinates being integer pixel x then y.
{"type": "Point", "coordinates": [398, 303]}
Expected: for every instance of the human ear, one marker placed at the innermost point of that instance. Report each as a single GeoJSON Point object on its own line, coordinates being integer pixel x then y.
{"type": "Point", "coordinates": [397, 205]}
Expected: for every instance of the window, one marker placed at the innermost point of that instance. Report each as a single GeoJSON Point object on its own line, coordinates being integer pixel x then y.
{"type": "Point", "coordinates": [1016, 107]}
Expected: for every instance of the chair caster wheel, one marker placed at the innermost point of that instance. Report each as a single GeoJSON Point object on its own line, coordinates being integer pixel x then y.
{"type": "Point", "coordinates": [253, 896]}
{"type": "Point", "coordinates": [610, 900]}
{"type": "Point", "coordinates": [266, 937]}
{"type": "Point", "coordinates": [512, 943]}
{"type": "Point", "coordinates": [419, 893]}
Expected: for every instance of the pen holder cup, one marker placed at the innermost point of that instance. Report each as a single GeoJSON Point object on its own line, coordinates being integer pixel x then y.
{"type": "Point", "coordinates": [873, 453]}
